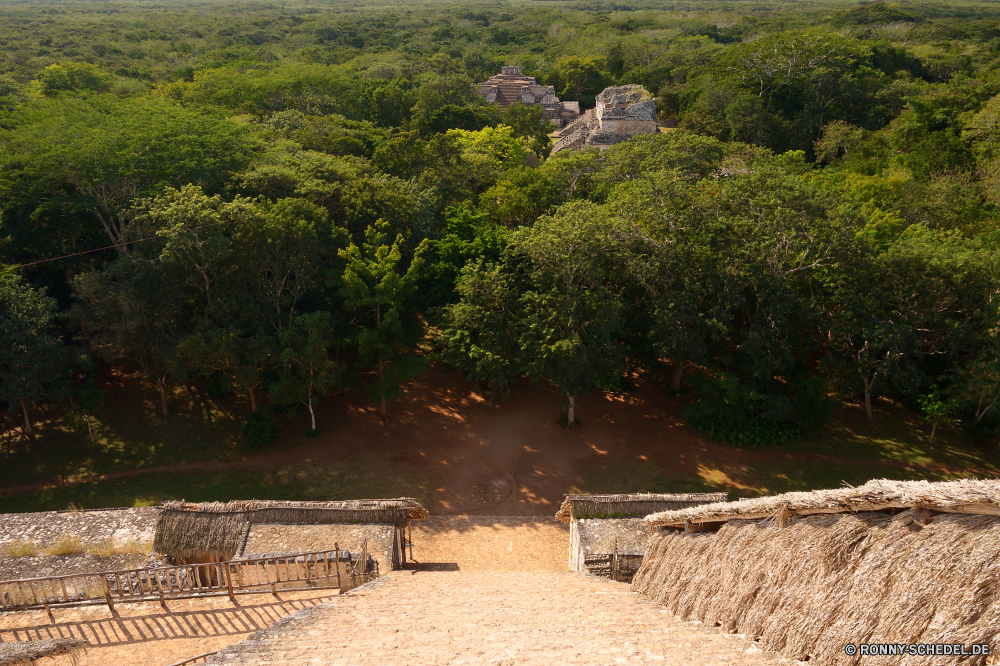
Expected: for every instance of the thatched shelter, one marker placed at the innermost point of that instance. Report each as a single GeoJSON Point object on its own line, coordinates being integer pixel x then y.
{"type": "Point", "coordinates": [26, 653]}
{"type": "Point", "coordinates": [607, 535]}
{"type": "Point", "coordinates": [890, 562]}
{"type": "Point", "coordinates": [216, 531]}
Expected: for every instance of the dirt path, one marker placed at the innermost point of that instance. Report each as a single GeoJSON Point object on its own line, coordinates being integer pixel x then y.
{"type": "Point", "coordinates": [490, 543]}
{"type": "Point", "coordinates": [515, 458]}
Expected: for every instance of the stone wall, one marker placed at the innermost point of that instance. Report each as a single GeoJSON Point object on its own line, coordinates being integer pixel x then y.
{"type": "Point", "coordinates": [269, 538]}
{"type": "Point", "coordinates": [44, 528]}
{"type": "Point", "coordinates": [594, 540]}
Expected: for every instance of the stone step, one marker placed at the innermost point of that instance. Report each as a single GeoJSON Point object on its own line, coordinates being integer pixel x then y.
{"type": "Point", "coordinates": [483, 617]}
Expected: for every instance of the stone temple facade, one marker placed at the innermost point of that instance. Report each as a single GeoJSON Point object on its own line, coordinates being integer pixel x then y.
{"type": "Point", "coordinates": [622, 112]}
{"type": "Point", "coordinates": [510, 86]}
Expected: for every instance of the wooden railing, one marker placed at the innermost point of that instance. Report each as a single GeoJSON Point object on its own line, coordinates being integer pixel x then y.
{"type": "Point", "coordinates": [292, 571]}
{"type": "Point", "coordinates": [199, 659]}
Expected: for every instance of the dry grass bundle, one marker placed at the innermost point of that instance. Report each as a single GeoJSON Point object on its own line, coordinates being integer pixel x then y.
{"type": "Point", "coordinates": [64, 545]}
{"type": "Point", "coordinates": [828, 580]}
{"type": "Point", "coordinates": [20, 549]}
{"type": "Point", "coordinates": [218, 528]}
{"type": "Point", "coordinates": [965, 496]}
{"type": "Point", "coordinates": [26, 653]}
{"type": "Point", "coordinates": [111, 548]}
{"type": "Point", "coordinates": [630, 506]}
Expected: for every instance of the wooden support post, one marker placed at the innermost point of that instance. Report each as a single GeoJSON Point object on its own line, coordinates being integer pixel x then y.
{"type": "Point", "coordinates": [409, 539]}
{"type": "Point", "coordinates": [336, 562]}
{"type": "Point", "coordinates": [229, 581]}
{"type": "Point", "coordinates": [274, 591]}
{"type": "Point", "coordinates": [107, 595]}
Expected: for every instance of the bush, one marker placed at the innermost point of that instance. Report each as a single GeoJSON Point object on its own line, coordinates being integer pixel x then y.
{"type": "Point", "coordinates": [737, 414]}
{"type": "Point", "coordinates": [259, 430]}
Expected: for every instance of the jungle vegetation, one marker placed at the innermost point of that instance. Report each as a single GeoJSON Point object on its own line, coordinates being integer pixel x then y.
{"type": "Point", "coordinates": [283, 200]}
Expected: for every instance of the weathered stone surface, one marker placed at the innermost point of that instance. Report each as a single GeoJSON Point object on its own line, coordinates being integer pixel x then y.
{"type": "Point", "coordinates": [44, 528]}
{"type": "Point", "coordinates": [270, 538]}
{"type": "Point", "coordinates": [541, 618]}
{"type": "Point", "coordinates": [511, 86]}
{"type": "Point", "coordinates": [42, 566]}
{"type": "Point", "coordinates": [621, 113]}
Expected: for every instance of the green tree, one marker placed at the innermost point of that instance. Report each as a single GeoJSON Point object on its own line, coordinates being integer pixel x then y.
{"type": "Point", "coordinates": [480, 331]}
{"type": "Point", "coordinates": [569, 318]}
{"type": "Point", "coordinates": [936, 411]}
{"type": "Point", "coordinates": [97, 155]}
{"type": "Point", "coordinates": [134, 310]}
{"type": "Point", "coordinates": [305, 368]}
{"type": "Point", "coordinates": [380, 292]}
{"type": "Point", "coordinates": [31, 357]}
{"type": "Point", "coordinates": [530, 123]}
{"type": "Point", "coordinates": [581, 78]}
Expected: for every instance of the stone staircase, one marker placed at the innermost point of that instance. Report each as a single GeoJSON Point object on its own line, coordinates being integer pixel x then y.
{"type": "Point", "coordinates": [452, 609]}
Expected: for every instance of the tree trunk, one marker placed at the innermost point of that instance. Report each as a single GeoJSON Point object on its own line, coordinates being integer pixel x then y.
{"type": "Point", "coordinates": [381, 392]}
{"type": "Point", "coordinates": [253, 399]}
{"type": "Point", "coordinates": [160, 384]}
{"type": "Point", "coordinates": [933, 430]}
{"type": "Point", "coordinates": [571, 411]}
{"type": "Point", "coordinates": [90, 432]}
{"type": "Point", "coordinates": [678, 373]}
{"type": "Point", "coordinates": [868, 397]}
{"type": "Point", "coordinates": [28, 430]}
{"type": "Point", "coordinates": [312, 414]}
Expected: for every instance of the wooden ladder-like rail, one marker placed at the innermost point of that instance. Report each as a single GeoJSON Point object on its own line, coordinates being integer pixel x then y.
{"type": "Point", "coordinates": [305, 570]}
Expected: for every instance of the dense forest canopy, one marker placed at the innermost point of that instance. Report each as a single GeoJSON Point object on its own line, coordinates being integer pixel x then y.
{"type": "Point", "coordinates": [287, 200]}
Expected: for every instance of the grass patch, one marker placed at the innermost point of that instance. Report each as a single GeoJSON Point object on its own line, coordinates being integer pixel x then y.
{"type": "Point", "coordinates": [110, 548]}
{"type": "Point", "coordinates": [65, 545]}
{"type": "Point", "coordinates": [896, 435]}
{"type": "Point", "coordinates": [20, 549]}
{"type": "Point", "coordinates": [360, 475]}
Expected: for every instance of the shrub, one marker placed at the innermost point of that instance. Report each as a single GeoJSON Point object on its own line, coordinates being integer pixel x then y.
{"type": "Point", "coordinates": [259, 430]}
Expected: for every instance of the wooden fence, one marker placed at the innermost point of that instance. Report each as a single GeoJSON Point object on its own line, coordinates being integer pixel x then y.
{"type": "Point", "coordinates": [292, 571]}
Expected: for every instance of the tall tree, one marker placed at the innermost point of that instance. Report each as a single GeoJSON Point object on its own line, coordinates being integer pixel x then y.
{"type": "Point", "coordinates": [380, 292]}
{"type": "Point", "coordinates": [305, 368]}
{"type": "Point", "coordinates": [31, 356]}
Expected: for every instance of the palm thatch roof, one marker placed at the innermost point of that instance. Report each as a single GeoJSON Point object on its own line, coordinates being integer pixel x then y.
{"type": "Point", "coordinates": [828, 580]}
{"type": "Point", "coordinates": [630, 506]}
{"type": "Point", "coordinates": [967, 496]}
{"type": "Point", "coordinates": [26, 653]}
{"type": "Point", "coordinates": [185, 529]}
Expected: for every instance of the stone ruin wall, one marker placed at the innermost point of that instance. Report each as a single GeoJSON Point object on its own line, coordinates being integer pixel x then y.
{"type": "Point", "coordinates": [132, 527]}
{"type": "Point", "coordinates": [271, 538]}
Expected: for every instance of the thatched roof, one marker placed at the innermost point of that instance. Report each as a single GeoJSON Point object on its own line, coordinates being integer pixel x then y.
{"type": "Point", "coordinates": [25, 653]}
{"type": "Point", "coordinates": [630, 506]}
{"type": "Point", "coordinates": [829, 580]}
{"type": "Point", "coordinates": [185, 529]}
{"type": "Point", "coordinates": [967, 496]}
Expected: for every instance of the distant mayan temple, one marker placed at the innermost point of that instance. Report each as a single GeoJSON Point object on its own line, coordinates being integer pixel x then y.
{"type": "Point", "coordinates": [510, 86]}
{"type": "Point", "coordinates": [621, 113]}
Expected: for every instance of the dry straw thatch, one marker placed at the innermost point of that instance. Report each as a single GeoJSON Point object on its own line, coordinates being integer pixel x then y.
{"type": "Point", "coordinates": [630, 506]}
{"type": "Point", "coordinates": [829, 579]}
{"type": "Point", "coordinates": [26, 653]}
{"type": "Point", "coordinates": [965, 496]}
{"type": "Point", "coordinates": [219, 528]}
